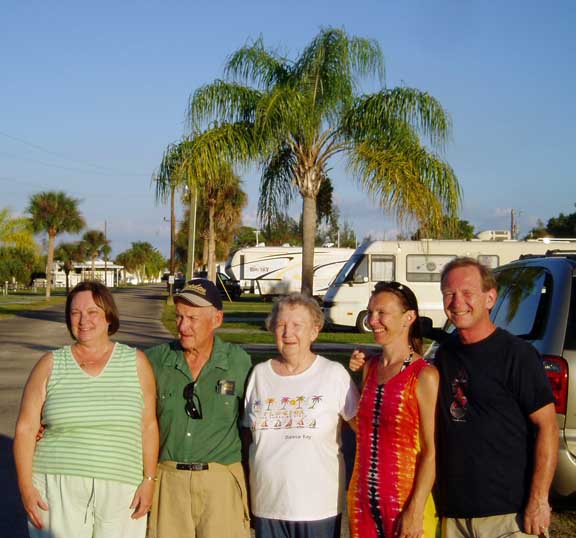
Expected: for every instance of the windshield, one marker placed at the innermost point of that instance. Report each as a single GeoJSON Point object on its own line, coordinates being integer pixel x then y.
{"type": "Point", "coordinates": [346, 273]}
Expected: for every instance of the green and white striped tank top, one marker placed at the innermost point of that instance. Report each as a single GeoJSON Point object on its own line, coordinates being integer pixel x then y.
{"type": "Point", "coordinates": [93, 424]}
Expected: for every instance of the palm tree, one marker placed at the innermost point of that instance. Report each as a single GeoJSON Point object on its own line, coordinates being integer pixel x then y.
{"type": "Point", "coordinates": [94, 241]}
{"type": "Point", "coordinates": [68, 254]}
{"type": "Point", "coordinates": [223, 203]}
{"type": "Point", "coordinates": [54, 212]}
{"type": "Point", "coordinates": [209, 175]}
{"type": "Point", "coordinates": [142, 259]}
{"type": "Point", "coordinates": [294, 117]}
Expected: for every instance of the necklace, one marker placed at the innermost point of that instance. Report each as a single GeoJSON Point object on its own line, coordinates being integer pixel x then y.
{"type": "Point", "coordinates": [407, 360]}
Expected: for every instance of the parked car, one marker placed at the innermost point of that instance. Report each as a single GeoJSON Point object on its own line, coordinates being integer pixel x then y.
{"type": "Point", "coordinates": [226, 286]}
{"type": "Point", "coordinates": [537, 302]}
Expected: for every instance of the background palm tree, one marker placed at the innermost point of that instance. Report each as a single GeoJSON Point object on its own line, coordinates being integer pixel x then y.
{"type": "Point", "coordinates": [54, 212]}
{"type": "Point", "coordinates": [293, 117]}
{"type": "Point", "coordinates": [143, 260]}
{"type": "Point", "coordinates": [94, 241]}
{"type": "Point", "coordinates": [68, 254]}
{"type": "Point", "coordinates": [208, 175]}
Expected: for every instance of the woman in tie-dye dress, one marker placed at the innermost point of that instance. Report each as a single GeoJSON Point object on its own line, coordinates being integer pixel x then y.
{"type": "Point", "coordinates": [389, 495]}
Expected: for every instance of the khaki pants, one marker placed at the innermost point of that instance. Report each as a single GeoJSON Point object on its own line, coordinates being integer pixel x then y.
{"type": "Point", "coordinates": [200, 504]}
{"type": "Point", "coordinates": [503, 526]}
{"type": "Point", "coordinates": [85, 508]}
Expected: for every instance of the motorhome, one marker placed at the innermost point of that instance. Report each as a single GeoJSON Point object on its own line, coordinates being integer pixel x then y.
{"type": "Point", "coordinates": [271, 271]}
{"type": "Point", "coordinates": [417, 264]}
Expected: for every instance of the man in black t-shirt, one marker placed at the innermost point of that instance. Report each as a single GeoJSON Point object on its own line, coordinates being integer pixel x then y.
{"type": "Point", "coordinates": [497, 431]}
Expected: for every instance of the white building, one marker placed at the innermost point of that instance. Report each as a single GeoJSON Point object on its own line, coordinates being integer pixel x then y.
{"type": "Point", "coordinates": [106, 272]}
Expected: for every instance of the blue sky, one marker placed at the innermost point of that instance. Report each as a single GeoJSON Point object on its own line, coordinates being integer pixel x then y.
{"type": "Point", "coordinates": [90, 95]}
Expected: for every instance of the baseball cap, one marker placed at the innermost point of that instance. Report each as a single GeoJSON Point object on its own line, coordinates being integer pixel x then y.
{"type": "Point", "coordinates": [200, 292]}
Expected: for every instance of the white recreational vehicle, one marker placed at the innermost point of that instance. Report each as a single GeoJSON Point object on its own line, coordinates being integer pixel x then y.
{"type": "Point", "coordinates": [417, 264]}
{"type": "Point", "coordinates": [273, 271]}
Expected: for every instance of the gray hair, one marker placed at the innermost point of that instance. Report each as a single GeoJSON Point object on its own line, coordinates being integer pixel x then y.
{"type": "Point", "coordinates": [292, 300]}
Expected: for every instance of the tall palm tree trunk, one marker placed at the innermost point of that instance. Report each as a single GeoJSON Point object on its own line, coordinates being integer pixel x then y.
{"type": "Point", "coordinates": [308, 238]}
{"type": "Point", "coordinates": [205, 251]}
{"type": "Point", "coordinates": [50, 262]}
{"type": "Point", "coordinates": [211, 245]}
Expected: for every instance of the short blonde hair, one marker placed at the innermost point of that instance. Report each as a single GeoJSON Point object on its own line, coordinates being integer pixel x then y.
{"type": "Point", "coordinates": [486, 275]}
{"type": "Point", "coordinates": [292, 300]}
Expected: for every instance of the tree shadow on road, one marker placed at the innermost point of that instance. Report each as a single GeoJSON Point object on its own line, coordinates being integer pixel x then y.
{"type": "Point", "coordinates": [12, 514]}
{"type": "Point", "coordinates": [56, 316]}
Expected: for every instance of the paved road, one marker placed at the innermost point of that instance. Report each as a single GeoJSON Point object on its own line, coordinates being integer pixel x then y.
{"type": "Point", "coordinates": [23, 340]}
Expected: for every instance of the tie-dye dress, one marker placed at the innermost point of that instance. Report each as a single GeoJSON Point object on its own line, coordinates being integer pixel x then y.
{"type": "Point", "coordinates": [386, 452]}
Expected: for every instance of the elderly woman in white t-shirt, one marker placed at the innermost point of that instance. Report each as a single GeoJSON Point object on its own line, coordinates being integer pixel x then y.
{"type": "Point", "coordinates": [294, 406]}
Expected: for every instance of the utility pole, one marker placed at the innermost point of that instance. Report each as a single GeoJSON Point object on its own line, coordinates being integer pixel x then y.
{"type": "Point", "coordinates": [191, 235]}
{"type": "Point", "coordinates": [514, 224]}
{"type": "Point", "coordinates": [106, 253]}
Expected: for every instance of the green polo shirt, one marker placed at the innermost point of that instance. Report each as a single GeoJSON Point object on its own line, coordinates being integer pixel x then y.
{"type": "Point", "coordinates": [215, 437]}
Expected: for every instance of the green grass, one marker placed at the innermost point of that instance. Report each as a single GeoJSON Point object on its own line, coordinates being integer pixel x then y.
{"type": "Point", "coordinates": [26, 300]}
{"type": "Point", "coordinates": [248, 315]}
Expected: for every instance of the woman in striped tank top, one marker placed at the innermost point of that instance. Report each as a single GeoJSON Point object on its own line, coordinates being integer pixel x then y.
{"type": "Point", "coordinates": [92, 472]}
{"type": "Point", "coordinates": [389, 494]}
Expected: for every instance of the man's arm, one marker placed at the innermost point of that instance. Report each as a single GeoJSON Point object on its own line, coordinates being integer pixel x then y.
{"type": "Point", "coordinates": [537, 513]}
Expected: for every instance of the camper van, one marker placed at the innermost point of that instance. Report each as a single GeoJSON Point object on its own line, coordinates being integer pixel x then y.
{"type": "Point", "coordinates": [271, 271]}
{"type": "Point", "coordinates": [417, 264]}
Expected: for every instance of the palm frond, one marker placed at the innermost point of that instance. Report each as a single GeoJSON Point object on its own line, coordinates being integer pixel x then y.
{"type": "Point", "coordinates": [222, 101]}
{"type": "Point", "coordinates": [408, 180]}
{"type": "Point", "coordinates": [277, 188]}
{"type": "Point", "coordinates": [254, 64]}
{"type": "Point", "coordinates": [376, 112]}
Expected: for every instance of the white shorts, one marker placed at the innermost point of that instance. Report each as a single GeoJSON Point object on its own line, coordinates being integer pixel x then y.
{"type": "Point", "coordinates": [85, 508]}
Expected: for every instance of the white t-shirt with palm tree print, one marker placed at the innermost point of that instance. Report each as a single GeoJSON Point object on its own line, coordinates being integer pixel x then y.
{"type": "Point", "coordinates": [296, 466]}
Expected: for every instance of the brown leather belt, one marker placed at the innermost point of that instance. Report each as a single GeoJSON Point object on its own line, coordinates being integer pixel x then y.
{"type": "Point", "coordinates": [192, 466]}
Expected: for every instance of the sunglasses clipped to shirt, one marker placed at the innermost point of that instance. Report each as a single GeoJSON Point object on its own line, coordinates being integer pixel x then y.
{"type": "Point", "coordinates": [192, 407]}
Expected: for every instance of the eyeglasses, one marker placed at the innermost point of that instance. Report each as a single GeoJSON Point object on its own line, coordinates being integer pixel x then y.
{"type": "Point", "coordinates": [193, 408]}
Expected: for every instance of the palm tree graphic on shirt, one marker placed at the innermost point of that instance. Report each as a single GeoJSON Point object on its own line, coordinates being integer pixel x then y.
{"type": "Point", "coordinates": [315, 400]}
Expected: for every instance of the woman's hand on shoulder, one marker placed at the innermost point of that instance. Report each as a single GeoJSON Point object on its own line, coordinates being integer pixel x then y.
{"type": "Point", "coordinates": [357, 360]}
{"type": "Point", "coordinates": [32, 501]}
{"type": "Point", "coordinates": [142, 501]}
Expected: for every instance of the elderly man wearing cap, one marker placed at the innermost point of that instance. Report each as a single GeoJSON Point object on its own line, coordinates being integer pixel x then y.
{"type": "Point", "coordinates": [200, 380]}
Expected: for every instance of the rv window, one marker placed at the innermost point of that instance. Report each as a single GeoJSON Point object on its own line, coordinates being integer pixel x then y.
{"type": "Point", "coordinates": [421, 268]}
{"type": "Point", "coordinates": [346, 274]}
{"type": "Point", "coordinates": [360, 273]}
{"type": "Point", "coordinates": [489, 260]}
{"type": "Point", "coordinates": [382, 268]}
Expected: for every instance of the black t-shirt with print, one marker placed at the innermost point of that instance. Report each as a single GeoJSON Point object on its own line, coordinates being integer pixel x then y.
{"type": "Point", "coordinates": [485, 437]}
